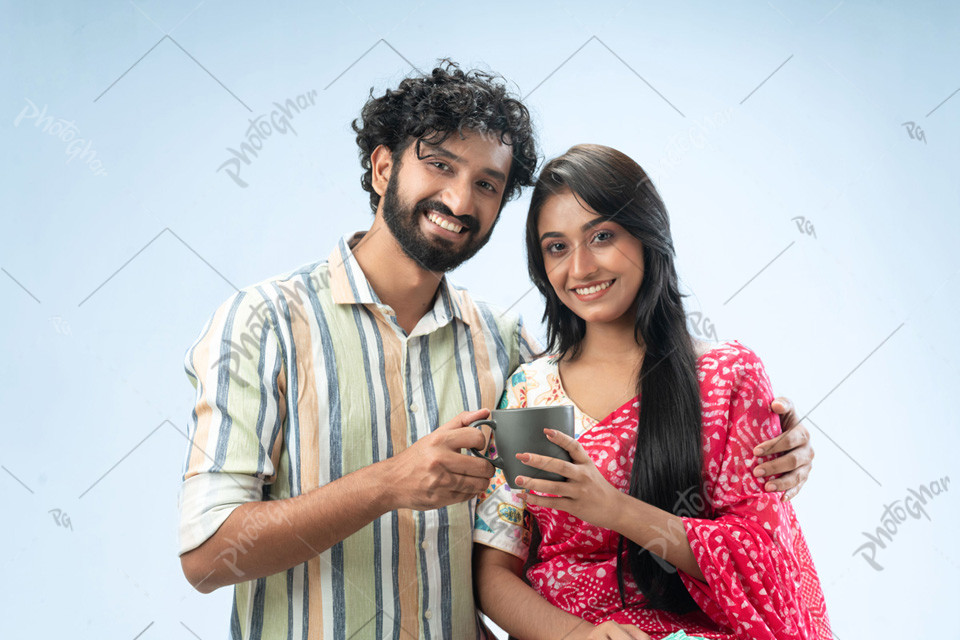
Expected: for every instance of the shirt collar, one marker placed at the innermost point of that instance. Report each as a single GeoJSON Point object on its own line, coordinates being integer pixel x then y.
{"type": "Point", "coordinates": [349, 285]}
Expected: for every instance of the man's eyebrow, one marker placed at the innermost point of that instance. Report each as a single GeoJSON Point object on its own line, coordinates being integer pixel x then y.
{"type": "Point", "coordinates": [440, 150]}
{"type": "Point", "coordinates": [436, 149]}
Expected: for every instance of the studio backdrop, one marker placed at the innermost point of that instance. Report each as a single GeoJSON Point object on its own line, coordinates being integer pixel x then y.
{"type": "Point", "coordinates": [160, 155]}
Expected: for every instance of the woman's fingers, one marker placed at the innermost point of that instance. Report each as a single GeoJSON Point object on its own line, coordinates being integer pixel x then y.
{"type": "Point", "coordinates": [614, 631]}
{"type": "Point", "coordinates": [543, 486]}
{"type": "Point", "coordinates": [546, 463]}
{"type": "Point", "coordinates": [633, 633]}
{"type": "Point", "coordinates": [570, 445]}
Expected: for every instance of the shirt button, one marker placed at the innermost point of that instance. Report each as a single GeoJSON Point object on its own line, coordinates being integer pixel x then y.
{"type": "Point", "coordinates": [414, 407]}
{"type": "Point", "coordinates": [425, 545]}
{"type": "Point", "coordinates": [428, 614]}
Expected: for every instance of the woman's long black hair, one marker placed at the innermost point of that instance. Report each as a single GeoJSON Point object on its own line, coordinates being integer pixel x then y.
{"type": "Point", "coordinates": [669, 459]}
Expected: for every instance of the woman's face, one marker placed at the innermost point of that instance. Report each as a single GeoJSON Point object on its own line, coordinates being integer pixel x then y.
{"type": "Point", "coordinates": [595, 266]}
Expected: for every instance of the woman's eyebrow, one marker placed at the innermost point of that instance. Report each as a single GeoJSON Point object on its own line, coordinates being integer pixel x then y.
{"type": "Point", "coordinates": [594, 222]}
{"type": "Point", "coordinates": [587, 225]}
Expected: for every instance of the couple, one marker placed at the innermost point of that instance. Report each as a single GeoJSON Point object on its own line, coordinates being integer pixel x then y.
{"type": "Point", "coordinates": [326, 479]}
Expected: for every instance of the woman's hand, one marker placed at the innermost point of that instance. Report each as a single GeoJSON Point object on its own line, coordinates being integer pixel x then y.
{"type": "Point", "coordinates": [615, 631]}
{"type": "Point", "coordinates": [586, 494]}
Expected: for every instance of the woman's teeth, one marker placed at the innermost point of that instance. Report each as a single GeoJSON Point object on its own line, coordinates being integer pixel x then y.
{"type": "Point", "coordinates": [597, 287]}
{"type": "Point", "coordinates": [440, 222]}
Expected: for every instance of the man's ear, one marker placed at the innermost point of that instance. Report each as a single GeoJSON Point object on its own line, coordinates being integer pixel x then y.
{"type": "Point", "coordinates": [381, 163]}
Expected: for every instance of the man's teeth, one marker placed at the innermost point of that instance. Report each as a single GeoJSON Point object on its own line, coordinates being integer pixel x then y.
{"type": "Point", "coordinates": [597, 287]}
{"type": "Point", "coordinates": [440, 222]}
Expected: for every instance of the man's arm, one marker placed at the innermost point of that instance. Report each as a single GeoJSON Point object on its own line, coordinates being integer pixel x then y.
{"type": "Point", "coordinates": [261, 538]}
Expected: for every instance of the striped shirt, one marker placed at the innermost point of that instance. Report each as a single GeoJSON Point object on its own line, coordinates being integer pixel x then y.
{"type": "Point", "coordinates": [307, 377]}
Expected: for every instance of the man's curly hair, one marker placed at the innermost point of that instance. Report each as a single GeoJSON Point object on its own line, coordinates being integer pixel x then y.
{"type": "Point", "coordinates": [431, 107]}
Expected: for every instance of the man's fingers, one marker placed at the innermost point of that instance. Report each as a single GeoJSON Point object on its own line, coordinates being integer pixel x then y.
{"type": "Point", "coordinates": [791, 439]}
{"type": "Point", "coordinates": [464, 419]}
{"type": "Point", "coordinates": [467, 490]}
{"type": "Point", "coordinates": [787, 481]}
{"type": "Point", "coordinates": [784, 464]}
{"type": "Point", "coordinates": [782, 405]}
{"type": "Point", "coordinates": [791, 494]}
{"type": "Point", "coordinates": [468, 466]}
{"type": "Point", "coordinates": [464, 438]}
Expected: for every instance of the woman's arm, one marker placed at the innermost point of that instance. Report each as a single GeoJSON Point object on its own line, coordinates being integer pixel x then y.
{"type": "Point", "coordinates": [514, 605]}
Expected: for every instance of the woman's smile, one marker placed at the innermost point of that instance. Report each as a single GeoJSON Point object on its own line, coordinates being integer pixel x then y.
{"type": "Point", "coordinates": [593, 290]}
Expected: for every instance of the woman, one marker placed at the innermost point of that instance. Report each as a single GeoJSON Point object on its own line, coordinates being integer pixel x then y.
{"type": "Point", "coordinates": [661, 527]}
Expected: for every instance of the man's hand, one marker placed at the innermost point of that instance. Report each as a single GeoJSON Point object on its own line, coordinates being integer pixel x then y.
{"type": "Point", "coordinates": [433, 473]}
{"type": "Point", "coordinates": [795, 455]}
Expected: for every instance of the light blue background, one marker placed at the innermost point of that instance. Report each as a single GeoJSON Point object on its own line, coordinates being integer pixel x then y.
{"type": "Point", "coordinates": [94, 394]}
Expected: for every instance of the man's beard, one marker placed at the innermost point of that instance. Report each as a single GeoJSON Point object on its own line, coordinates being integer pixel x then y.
{"type": "Point", "coordinates": [437, 254]}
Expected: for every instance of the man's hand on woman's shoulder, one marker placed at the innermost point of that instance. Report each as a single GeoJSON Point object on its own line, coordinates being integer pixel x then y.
{"type": "Point", "coordinates": [790, 453]}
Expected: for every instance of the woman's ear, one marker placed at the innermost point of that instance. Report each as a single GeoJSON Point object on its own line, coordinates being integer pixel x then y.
{"type": "Point", "coordinates": [381, 163]}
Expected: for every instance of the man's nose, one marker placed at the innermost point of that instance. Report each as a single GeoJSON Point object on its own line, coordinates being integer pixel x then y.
{"type": "Point", "coordinates": [459, 198]}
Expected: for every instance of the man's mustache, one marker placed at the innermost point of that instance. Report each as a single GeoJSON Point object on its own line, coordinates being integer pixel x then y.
{"type": "Point", "coordinates": [470, 223]}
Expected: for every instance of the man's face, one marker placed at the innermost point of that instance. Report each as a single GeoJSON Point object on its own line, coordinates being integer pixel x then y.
{"type": "Point", "coordinates": [442, 204]}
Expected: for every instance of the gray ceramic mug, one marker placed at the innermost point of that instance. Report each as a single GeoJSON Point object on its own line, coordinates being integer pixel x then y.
{"type": "Point", "coordinates": [521, 431]}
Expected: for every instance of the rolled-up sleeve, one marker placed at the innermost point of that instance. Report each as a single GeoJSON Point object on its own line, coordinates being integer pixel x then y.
{"type": "Point", "coordinates": [235, 432]}
{"type": "Point", "coordinates": [501, 520]}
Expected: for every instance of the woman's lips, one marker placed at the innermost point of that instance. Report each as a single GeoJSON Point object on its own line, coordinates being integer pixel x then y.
{"type": "Point", "coordinates": [593, 290]}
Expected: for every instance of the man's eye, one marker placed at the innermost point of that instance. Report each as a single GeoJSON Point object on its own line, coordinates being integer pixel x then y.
{"type": "Point", "coordinates": [486, 185]}
{"type": "Point", "coordinates": [443, 166]}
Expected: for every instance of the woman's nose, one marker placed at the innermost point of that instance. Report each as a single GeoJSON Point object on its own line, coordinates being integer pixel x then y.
{"type": "Point", "coordinates": [582, 262]}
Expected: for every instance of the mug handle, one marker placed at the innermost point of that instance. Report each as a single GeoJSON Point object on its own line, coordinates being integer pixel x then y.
{"type": "Point", "coordinates": [498, 461]}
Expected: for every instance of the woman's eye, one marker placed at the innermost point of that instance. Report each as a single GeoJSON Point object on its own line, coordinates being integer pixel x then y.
{"type": "Point", "coordinates": [554, 248]}
{"type": "Point", "coordinates": [602, 236]}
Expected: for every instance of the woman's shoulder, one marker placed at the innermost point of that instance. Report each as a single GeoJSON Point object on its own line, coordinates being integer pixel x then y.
{"type": "Point", "coordinates": [537, 367]}
{"type": "Point", "coordinates": [731, 364]}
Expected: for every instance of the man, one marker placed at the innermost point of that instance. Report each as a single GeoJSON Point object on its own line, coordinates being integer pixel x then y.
{"type": "Point", "coordinates": [318, 480]}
